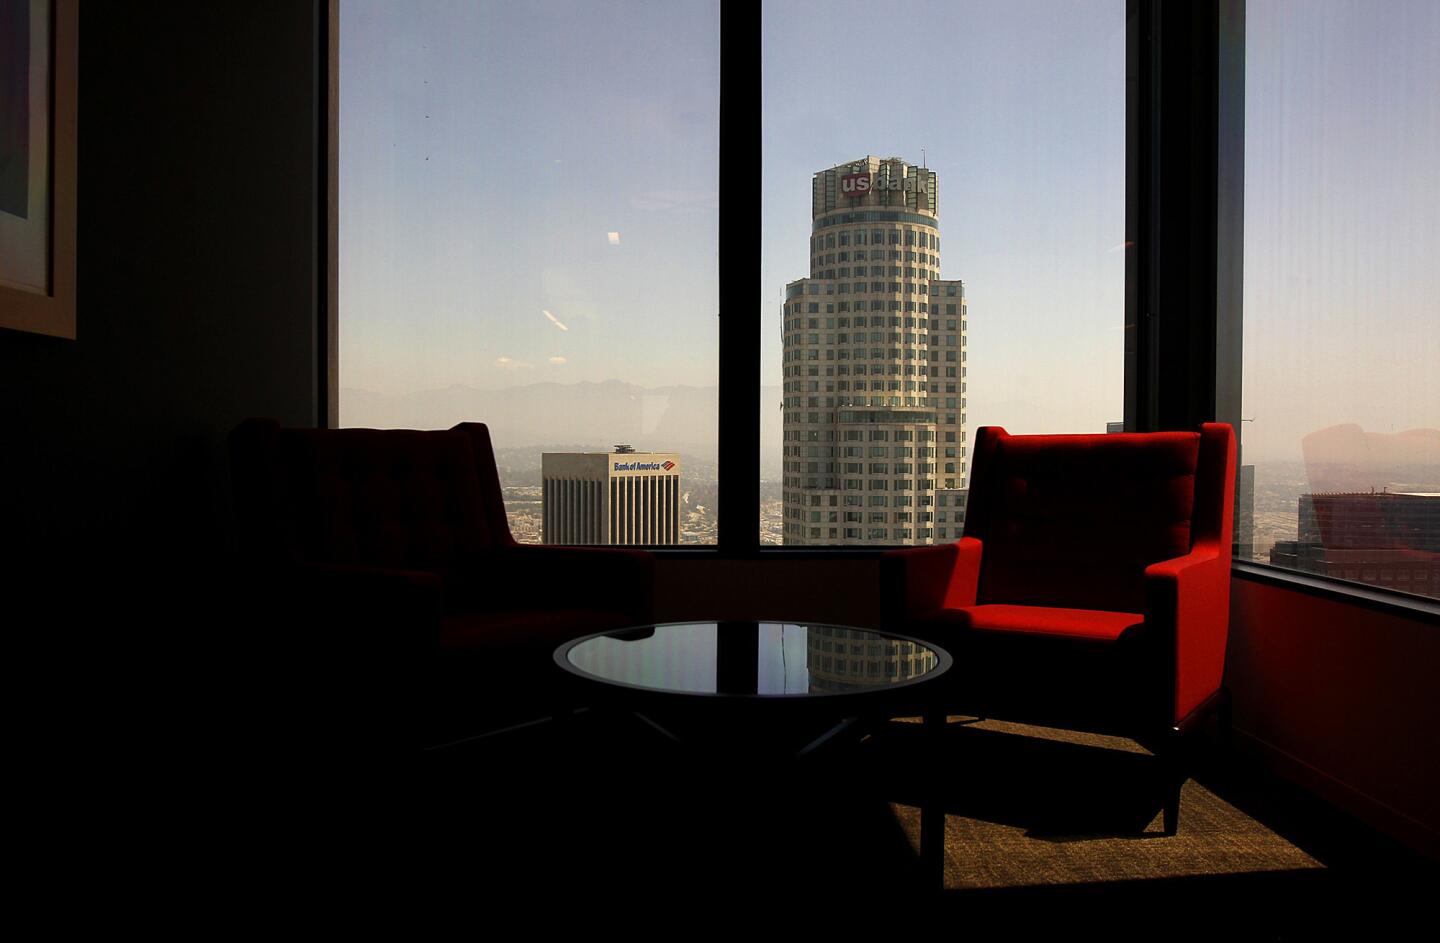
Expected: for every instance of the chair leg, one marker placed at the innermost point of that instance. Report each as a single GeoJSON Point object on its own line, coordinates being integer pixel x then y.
{"type": "Point", "coordinates": [1172, 781]}
{"type": "Point", "coordinates": [1171, 817]}
{"type": "Point", "coordinates": [932, 805]}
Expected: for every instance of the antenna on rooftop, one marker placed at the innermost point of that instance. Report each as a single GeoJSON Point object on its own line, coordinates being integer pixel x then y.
{"type": "Point", "coordinates": [624, 450]}
{"type": "Point", "coordinates": [923, 165]}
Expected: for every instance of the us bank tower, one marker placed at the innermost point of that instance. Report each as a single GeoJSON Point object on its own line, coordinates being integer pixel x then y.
{"type": "Point", "coordinates": [874, 378]}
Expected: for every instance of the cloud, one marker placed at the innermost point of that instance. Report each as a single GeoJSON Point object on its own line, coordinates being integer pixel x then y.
{"type": "Point", "coordinates": [507, 363]}
{"type": "Point", "coordinates": [614, 238]}
{"type": "Point", "coordinates": [557, 360]}
{"type": "Point", "coordinates": [554, 320]}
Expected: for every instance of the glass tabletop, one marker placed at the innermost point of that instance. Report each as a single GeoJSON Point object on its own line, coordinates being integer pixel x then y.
{"type": "Point", "coordinates": [753, 658]}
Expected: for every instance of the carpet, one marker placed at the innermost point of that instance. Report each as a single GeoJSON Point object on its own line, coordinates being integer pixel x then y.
{"type": "Point", "coordinates": [1028, 806]}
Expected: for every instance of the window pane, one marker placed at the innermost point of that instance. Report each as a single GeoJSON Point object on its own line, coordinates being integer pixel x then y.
{"type": "Point", "coordinates": [1002, 154]}
{"type": "Point", "coordinates": [528, 237]}
{"type": "Point", "coordinates": [1341, 439]}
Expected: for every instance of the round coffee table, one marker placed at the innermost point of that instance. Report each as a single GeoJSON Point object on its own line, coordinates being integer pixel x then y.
{"type": "Point", "coordinates": [782, 687]}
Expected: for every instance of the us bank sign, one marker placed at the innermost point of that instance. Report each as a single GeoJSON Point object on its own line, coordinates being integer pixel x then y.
{"type": "Point", "coordinates": [861, 184]}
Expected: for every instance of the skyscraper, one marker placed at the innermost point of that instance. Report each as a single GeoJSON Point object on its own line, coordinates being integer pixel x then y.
{"type": "Point", "coordinates": [874, 372]}
{"type": "Point", "coordinates": [1389, 539]}
{"type": "Point", "coordinates": [619, 497]}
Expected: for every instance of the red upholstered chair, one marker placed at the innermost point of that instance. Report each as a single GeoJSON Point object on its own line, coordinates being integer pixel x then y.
{"type": "Point", "coordinates": [387, 556]}
{"type": "Point", "coordinates": [1092, 587]}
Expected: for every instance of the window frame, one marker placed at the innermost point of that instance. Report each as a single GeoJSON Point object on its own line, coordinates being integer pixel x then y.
{"type": "Point", "coordinates": [1183, 267]}
{"type": "Point", "coordinates": [1184, 274]}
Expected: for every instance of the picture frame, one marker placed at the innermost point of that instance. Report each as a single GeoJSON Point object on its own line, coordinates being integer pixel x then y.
{"type": "Point", "coordinates": [38, 84]}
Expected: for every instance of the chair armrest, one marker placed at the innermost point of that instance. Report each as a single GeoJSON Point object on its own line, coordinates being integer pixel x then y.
{"type": "Point", "coordinates": [1189, 596]}
{"type": "Point", "coordinates": [531, 576]}
{"type": "Point", "coordinates": [921, 580]}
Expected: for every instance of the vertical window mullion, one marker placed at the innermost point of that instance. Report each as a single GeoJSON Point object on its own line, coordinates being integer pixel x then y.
{"type": "Point", "coordinates": [738, 514]}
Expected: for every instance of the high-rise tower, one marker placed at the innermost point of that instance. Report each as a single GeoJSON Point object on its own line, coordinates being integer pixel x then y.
{"type": "Point", "coordinates": [619, 497]}
{"type": "Point", "coordinates": [874, 379]}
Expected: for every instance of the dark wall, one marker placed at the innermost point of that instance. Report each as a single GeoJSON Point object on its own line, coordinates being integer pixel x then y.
{"type": "Point", "coordinates": [1341, 699]}
{"type": "Point", "coordinates": [841, 591]}
{"type": "Point", "coordinates": [196, 286]}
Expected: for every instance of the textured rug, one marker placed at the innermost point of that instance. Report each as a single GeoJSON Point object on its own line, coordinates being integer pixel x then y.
{"type": "Point", "coordinates": [1029, 807]}
{"type": "Point", "coordinates": [604, 819]}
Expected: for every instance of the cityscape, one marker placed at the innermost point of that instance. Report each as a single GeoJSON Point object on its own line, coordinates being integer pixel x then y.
{"type": "Point", "coordinates": [873, 439]}
{"type": "Point", "coordinates": [873, 398]}
{"type": "Point", "coordinates": [1279, 505]}
{"type": "Point", "coordinates": [587, 321]}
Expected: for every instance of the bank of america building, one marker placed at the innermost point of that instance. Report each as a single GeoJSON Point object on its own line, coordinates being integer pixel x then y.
{"type": "Point", "coordinates": [618, 497]}
{"type": "Point", "coordinates": [874, 378]}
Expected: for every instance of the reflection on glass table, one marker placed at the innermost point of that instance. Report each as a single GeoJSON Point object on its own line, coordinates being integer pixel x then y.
{"type": "Point", "coordinates": [756, 659]}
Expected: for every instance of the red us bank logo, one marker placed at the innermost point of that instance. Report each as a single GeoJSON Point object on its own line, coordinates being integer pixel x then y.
{"type": "Point", "coordinates": [861, 184]}
{"type": "Point", "coordinates": [668, 465]}
{"type": "Point", "coordinates": [855, 184]}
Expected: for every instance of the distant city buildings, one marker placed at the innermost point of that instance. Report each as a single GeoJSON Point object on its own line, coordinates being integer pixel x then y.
{"type": "Point", "coordinates": [1244, 539]}
{"type": "Point", "coordinates": [1387, 539]}
{"type": "Point", "coordinates": [616, 497]}
{"type": "Point", "coordinates": [874, 364]}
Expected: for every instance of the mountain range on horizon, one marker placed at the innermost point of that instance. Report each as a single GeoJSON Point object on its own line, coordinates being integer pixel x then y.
{"type": "Point", "coordinates": [660, 419]}
{"type": "Point", "coordinates": [684, 419]}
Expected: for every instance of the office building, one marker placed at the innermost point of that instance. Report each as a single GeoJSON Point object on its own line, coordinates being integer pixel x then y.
{"type": "Point", "coordinates": [1389, 539]}
{"type": "Point", "coordinates": [874, 363]}
{"type": "Point", "coordinates": [616, 497]}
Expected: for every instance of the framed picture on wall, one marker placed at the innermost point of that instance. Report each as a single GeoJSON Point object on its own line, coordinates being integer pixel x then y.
{"type": "Point", "coordinates": [38, 77]}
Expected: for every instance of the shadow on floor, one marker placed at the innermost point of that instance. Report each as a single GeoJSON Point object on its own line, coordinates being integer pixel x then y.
{"type": "Point", "coordinates": [601, 809]}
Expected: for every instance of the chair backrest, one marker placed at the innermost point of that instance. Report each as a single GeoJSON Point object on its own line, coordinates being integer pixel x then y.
{"type": "Point", "coordinates": [1073, 520]}
{"type": "Point", "coordinates": [394, 498]}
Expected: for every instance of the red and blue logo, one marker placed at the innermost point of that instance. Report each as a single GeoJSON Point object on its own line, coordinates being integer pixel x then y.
{"type": "Point", "coordinates": [668, 465]}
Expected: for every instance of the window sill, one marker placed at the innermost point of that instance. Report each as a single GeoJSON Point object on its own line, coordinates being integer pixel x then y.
{"type": "Point", "coordinates": [1342, 591]}
{"type": "Point", "coordinates": [1412, 607]}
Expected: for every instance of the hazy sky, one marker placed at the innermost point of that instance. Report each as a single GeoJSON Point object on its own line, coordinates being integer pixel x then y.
{"type": "Point", "coordinates": [1342, 219]}
{"type": "Point", "coordinates": [489, 150]}
{"type": "Point", "coordinates": [1020, 110]}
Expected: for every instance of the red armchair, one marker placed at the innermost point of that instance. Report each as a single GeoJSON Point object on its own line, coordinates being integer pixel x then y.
{"type": "Point", "coordinates": [1092, 587]}
{"type": "Point", "coordinates": [388, 553]}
